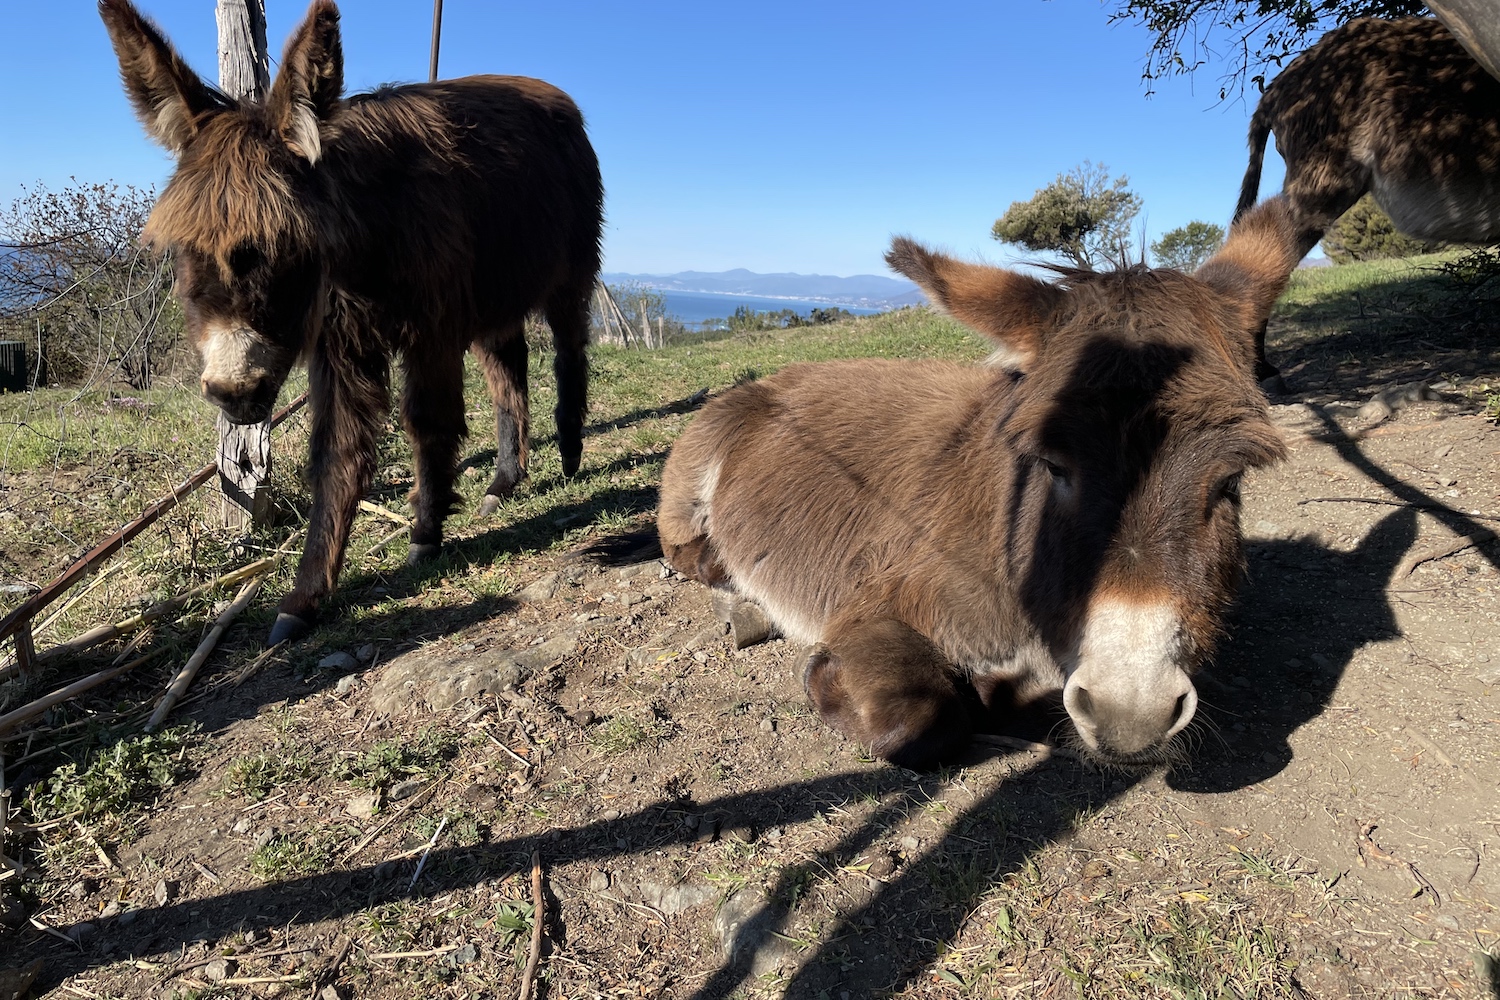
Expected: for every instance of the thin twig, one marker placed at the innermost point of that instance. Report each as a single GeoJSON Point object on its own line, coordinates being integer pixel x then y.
{"type": "Point", "coordinates": [417, 800]}
{"type": "Point", "coordinates": [1453, 547]}
{"type": "Point", "coordinates": [1396, 503]}
{"type": "Point", "coordinates": [388, 539]}
{"type": "Point", "coordinates": [371, 507]}
{"type": "Point", "coordinates": [190, 668]}
{"type": "Point", "coordinates": [430, 953]}
{"type": "Point", "coordinates": [34, 708]}
{"type": "Point", "coordinates": [538, 919]}
{"type": "Point", "coordinates": [252, 668]}
{"type": "Point", "coordinates": [430, 845]}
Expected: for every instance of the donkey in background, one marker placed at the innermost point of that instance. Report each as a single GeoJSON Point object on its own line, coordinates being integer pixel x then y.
{"type": "Point", "coordinates": [960, 542]}
{"type": "Point", "coordinates": [414, 221]}
{"type": "Point", "coordinates": [1395, 108]}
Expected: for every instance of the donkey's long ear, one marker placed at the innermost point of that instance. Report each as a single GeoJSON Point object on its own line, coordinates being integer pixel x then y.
{"type": "Point", "coordinates": [169, 98]}
{"type": "Point", "coordinates": [306, 93]}
{"type": "Point", "coordinates": [1014, 309]}
{"type": "Point", "coordinates": [1252, 268]}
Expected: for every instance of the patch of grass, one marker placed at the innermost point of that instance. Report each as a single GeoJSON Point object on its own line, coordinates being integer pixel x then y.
{"type": "Point", "coordinates": [256, 775]}
{"type": "Point", "coordinates": [622, 733]}
{"type": "Point", "coordinates": [116, 778]}
{"type": "Point", "coordinates": [393, 760]}
{"type": "Point", "coordinates": [1281, 874]}
{"type": "Point", "coordinates": [291, 855]}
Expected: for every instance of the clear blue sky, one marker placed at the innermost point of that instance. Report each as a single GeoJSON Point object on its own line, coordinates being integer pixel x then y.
{"type": "Point", "coordinates": [776, 136]}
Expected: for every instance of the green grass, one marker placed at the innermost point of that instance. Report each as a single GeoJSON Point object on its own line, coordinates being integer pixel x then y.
{"type": "Point", "coordinates": [256, 775]}
{"type": "Point", "coordinates": [115, 779]}
{"type": "Point", "coordinates": [394, 760]}
{"type": "Point", "coordinates": [291, 855]}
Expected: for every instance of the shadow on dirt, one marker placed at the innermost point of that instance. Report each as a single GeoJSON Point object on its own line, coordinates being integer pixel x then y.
{"type": "Point", "coordinates": [1272, 677]}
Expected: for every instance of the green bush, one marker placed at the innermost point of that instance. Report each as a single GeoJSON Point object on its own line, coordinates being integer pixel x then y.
{"type": "Point", "coordinates": [1365, 232]}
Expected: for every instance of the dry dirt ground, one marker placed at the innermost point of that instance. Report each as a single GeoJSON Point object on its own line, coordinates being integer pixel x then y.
{"type": "Point", "coordinates": [702, 835]}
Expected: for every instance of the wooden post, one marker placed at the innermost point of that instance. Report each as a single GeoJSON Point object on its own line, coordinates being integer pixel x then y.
{"type": "Point", "coordinates": [645, 325]}
{"type": "Point", "coordinates": [244, 451]}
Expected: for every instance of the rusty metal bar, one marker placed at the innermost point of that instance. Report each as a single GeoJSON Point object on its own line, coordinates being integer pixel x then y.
{"type": "Point", "coordinates": [437, 34]}
{"type": "Point", "coordinates": [21, 616]}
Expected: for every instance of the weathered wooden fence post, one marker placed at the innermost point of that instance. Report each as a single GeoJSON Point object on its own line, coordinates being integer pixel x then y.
{"type": "Point", "coordinates": [244, 451]}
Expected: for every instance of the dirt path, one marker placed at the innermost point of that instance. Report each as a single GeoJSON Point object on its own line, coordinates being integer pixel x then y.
{"type": "Point", "coordinates": [1338, 834]}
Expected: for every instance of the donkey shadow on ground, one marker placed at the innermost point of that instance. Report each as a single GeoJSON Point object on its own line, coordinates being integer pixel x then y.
{"type": "Point", "coordinates": [1268, 681]}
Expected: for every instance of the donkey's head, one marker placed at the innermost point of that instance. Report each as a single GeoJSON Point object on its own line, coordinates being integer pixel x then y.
{"type": "Point", "coordinates": [239, 213]}
{"type": "Point", "coordinates": [1133, 417]}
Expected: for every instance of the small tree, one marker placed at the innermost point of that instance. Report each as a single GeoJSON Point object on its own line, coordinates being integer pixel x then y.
{"type": "Point", "coordinates": [72, 269]}
{"type": "Point", "coordinates": [1187, 247]}
{"type": "Point", "coordinates": [1084, 215]}
{"type": "Point", "coordinates": [1365, 232]}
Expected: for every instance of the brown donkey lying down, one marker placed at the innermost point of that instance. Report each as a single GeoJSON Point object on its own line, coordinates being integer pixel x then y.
{"type": "Point", "coordinates": [954, 539]}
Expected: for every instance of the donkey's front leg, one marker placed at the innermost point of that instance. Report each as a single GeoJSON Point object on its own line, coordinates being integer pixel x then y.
{"type": "Point", "coordinates": [348, 400]}
{"type": "Point", "coordinates": [432, 412]}
{"type": "Point", "coordinates": [879, 681]}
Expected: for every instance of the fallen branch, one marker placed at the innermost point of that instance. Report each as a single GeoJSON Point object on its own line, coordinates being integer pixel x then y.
{"type": "Point", "coordinates": [190, 669]}
{"type": "Point", "coordinates": [161, 609]}
{"type": "Point", "coordinates": [371, 507]}
{"type": "Point", "coordinates": [538, 918]}
{"type": "Point", "coordinates": [1398, 503]}
{"type": "Point", "coordinates": [430, 845]}
{"type": "Point", "coordinates": [1415, 559]}
{"type": "Point", "coordinates": [99, 578]}
{"type": "Point", "coordinates": [34, 708]}
{"type": "Point", "coordinates": [388, 539]}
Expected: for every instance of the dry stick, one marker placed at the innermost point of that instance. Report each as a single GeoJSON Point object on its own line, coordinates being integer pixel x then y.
{"type": "Point", "coordinates": [538, 917]}
{"type": "Point", "coordinates": [1395, 503]}
{"type": "Point", "coordinates": [252, 668]}
{"type": "Point", "coordinates": [430, 845]}
{"type": "Point", "coordinates": [34, 708]}
{"type": "Point", "coordinates": [190, 669]}
{"type": "Point", "coordinates": [416, 800]}
{"type": "Point", "coordinates": [53, 618]}
{"type": "Point", "coordinates": [370, 507]}
{"type": "Point", "coordinates": [388, 539]}
{"type": "Point", "coordinates": [1416, 559]}
{"type": "Point", "coordinates": [104, 633]}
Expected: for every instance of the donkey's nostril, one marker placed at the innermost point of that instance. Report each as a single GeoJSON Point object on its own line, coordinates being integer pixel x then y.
{"type": "Point", "coordinates": [1183, 711]}
{"type": "Point", "coordinates": [1083, 702]}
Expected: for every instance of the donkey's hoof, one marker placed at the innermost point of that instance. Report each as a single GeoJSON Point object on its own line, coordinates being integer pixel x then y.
{"type": "Point", "coordinates": [288, 627]}
{"type": "Point", "coordinates": [489, 505]}
{"type": "Point", "coordinates": [421, 552]}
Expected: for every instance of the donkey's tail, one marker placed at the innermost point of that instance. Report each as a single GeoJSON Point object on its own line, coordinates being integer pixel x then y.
{"type": "Point", "coordinates": [1260, 130]}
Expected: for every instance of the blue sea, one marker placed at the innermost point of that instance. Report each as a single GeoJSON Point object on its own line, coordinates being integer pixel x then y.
{"type": "Point", "coordinates": [693, 308]}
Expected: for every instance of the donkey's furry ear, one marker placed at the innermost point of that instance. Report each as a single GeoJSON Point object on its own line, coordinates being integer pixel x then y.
{"type": "Point", "coordinates": [169, 98]}
{"type": "Point", "coordinates": [306, 94]}
{"type": "Point", "coordinates": [1014, 309]}
{"type": "Point", "coordinates": [1255, 263]}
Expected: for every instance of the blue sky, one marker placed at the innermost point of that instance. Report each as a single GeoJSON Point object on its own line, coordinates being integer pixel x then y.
{"type": "Point", "coordinates": [776, 136]}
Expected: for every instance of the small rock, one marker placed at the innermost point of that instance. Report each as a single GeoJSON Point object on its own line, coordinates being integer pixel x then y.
{"type": "Point", "coordinates": [463, 956]}
{"type": "Point", "coordinates": [674, 899]}
{"type": "Point", "coordinates": [12, 911]}
{"type": "Point", "coordinates": [882, 865]}
{"type": "Point", "coordinates": [330, 992]}
{"type": "Point", "coordinates": [768, 725]}
{"type": "Point", "coordinates": [739, 829]}
{"type": "Point", "coordinates": [364, 805]}
{"type": "Point", "coordinates": [583, 718]}
{"type": "Point", "coordinates": [690, 821]}
{"type": "Point", "coordinates": [128, 917]}
{"type": "Point", "coordinates": [16, 983]}
{"type": "Point", "coordinates": [542, 588]}
{"type": "Point", "coordinates": [598, 880]}
{"type": "Point", "coordinates": [609, 814]}
{"type": "Point", "coordinates": [338, 661]}
{"type": "Point", "coordinates": [746, 926]}
{"type": "Point", "coordinates": [219, 969]}
{"type": "Point", "coordinates": [1447, 920]}
{"type": "Point", "coordinates": [909, 845]}
{"type": "Point", "coordinates": [1446, 480]}
{"type": "Point", "coordinates": [111, 910]}
{"type": "Point", "coordinates": [700, 656]}
{"type": "Point", "coordinates": [120, 492]}
{"type": "Point", "coordinates": [82, 932]}
{"type": "Point", "coordinates": [163, 892]}
{"type": "Point", "coordinates": [265, 836]}
{"type": "Point", "coordinates": [242, 826]}
{"type": "Point", "coordinates": [346, 683]}
{"type": "Point", "coordinates": [406, 789]}
{"type": "Point", "coordinates": [708, 636]}
{"type": "Point", "coordinates": [1270, 758]}
{"type": "Point", "coordinates": [365, 653]}
{"type": "Point", "coordinates": [1321, 660]}
{"type": "Point", "coordinates": [1096, 869]}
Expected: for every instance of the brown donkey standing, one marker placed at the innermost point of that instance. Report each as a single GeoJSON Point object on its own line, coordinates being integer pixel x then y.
{"type": "Point", "coordinates": [1395, 108]}
{"type": "Point", "coordinates": [963, 540]}
{"type": "Point", "coordinates": [413, 221]}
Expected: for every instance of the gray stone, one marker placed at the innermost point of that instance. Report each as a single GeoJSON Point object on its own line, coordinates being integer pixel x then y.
{"type": "Point", "coordinates": [82, 932]}
{"type": "Point", "coordinates": [338, 661]}
{"type": "Point", "coordinates": [128, 917]}
{"type": "Point", "coordinates": [12, 911]}
{"type": "Point", "coordinates": [748, 624]}
{"type": "Point", "coordinates": [111, 910]}
{"type": "Point", "coordinates": [363, 805]}
{"type": "Point", "coordinates": [746, 926]}
{"type": "Point", "coordinates": [164, 891]}
{"type": "Point", "coordinates": [219, 969]}
{"type": "Point", "coordinates": [16, 983]}
{"type": "Point", "coordinates": [242, 825]}
{"type": "Point", "coordinates": [346, 683]}
{"type": "Point", "coordinates": [330, 992]}
{"type": "Point", "coordinates": [406, 789]}
{"type": "Point", "coordinates": [598, 880]}
{"type": "Point", "coordinates": [365, 653]}
{"type": "Point", "coordinates": [708, 636]}
{"type": "Point", "coordinates": [442, 681]}
{"type": "Point", "coordinates": [543, 588]}
{"type": "Point", "coordinates": [673, 899]}
{"type": "Point", "coordinates": [1388, 400]}
{"type": "Point", "coordinates": [651, 569]}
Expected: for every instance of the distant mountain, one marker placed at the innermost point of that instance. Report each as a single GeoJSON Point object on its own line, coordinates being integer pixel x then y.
{"type": "Point", "coordinates": [868, 290]}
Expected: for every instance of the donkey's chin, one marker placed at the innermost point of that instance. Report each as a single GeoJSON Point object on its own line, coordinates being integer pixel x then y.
{"type": "Point", "coordinates": [250, 412]}
{"type": "Point", "coordinates": [1171, 753]}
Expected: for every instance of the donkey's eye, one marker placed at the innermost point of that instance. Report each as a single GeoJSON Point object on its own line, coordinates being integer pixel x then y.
{"type": "Point", "coordinates": [1057, 471]}
{"type": "Point", "coordinates": [1228, 489]}
{"type": "Point", "coordinates": [244, 258]}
